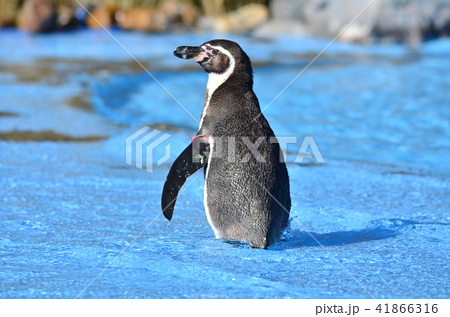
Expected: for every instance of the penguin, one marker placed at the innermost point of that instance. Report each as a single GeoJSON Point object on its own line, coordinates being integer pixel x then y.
{"type": "Point", "coordinates": [246, 182]}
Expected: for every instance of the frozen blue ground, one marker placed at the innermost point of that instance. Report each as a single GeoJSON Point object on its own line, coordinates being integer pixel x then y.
{"type": "Point", "coordinates": [76, 221]}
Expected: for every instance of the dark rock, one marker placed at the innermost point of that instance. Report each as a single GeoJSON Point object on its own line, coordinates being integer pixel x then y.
{"type": "Point", "coordinates": [66, 17]}
{"type": "Point", "coordinates": [37, 16]}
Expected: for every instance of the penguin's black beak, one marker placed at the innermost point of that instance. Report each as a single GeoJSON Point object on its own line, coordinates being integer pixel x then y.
{"type": "Point", "coordinates": [188, 52]}
{"type": "Point", "coordinates": [199, 54]}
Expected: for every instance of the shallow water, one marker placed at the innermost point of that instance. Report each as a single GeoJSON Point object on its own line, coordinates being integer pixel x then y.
{"type": "Point", "coordinates": [77, 221]}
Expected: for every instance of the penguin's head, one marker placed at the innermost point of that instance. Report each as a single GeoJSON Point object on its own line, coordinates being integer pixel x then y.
{"type": "Point", "coordinates": [217, 56]}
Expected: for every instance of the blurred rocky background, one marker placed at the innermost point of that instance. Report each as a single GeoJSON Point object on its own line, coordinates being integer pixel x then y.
{"type": "Point", "coordinates": [410, 21]}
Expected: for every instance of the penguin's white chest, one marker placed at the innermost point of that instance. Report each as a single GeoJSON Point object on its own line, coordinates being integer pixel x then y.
{"type": "Point", "coordinates": [214, 82]}
{"type": "Point", "coordinates": [205, 194]}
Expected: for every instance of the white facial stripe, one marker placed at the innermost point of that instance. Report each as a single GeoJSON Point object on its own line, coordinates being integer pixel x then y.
{"type": "Point", "coordinates": [215, 80]}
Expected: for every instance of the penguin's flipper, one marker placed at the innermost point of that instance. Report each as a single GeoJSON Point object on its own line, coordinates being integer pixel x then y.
{"type": "Point", "coordinates": [193, 158]}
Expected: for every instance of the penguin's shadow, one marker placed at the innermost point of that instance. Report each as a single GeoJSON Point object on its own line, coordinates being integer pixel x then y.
{"type": "Point", "coordinates": [300, 239]}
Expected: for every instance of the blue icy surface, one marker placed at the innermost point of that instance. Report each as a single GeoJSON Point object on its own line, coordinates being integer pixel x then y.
{"type": "Point", "coordinates": [77, 222]}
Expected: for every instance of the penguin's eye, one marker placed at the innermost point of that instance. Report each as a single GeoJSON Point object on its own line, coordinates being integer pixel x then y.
{"type": "Point", "coordinates": [214, 51]}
